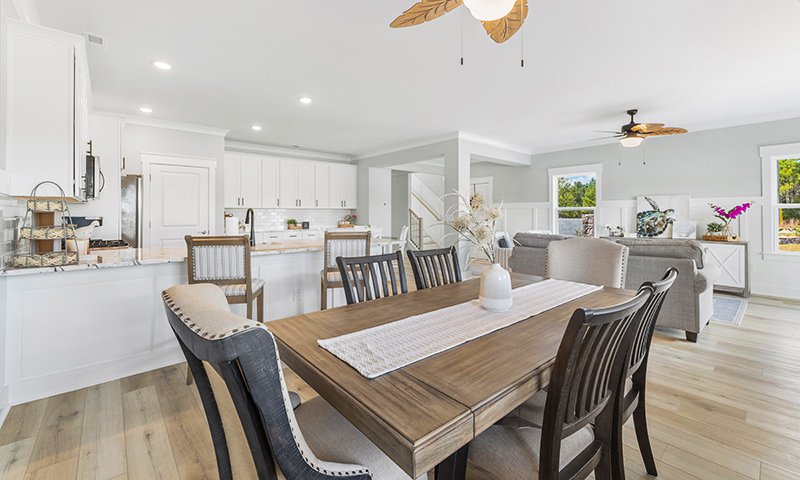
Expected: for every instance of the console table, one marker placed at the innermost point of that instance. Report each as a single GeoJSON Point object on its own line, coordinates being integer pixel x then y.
{"type": "Point", "coordinates": [731, 258]}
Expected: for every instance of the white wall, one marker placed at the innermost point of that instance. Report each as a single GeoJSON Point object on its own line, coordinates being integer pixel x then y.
{"type": "Point", "coordinates": [400, 194]}
{"type": "Point", "coordinates": [380, 199]}
{"type": "Point", "coordinates": [717, 165]}
{"type": "Point", "coordinates": [106, 135]}
{"type": "Point", "coordinates": [138, 139]}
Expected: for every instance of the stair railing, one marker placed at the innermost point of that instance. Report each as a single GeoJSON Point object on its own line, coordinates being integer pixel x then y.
{"type": "Point", "coordinates": [416, 231]}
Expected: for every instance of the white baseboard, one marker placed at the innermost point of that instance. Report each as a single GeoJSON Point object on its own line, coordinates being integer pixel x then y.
{"type": "Point", "coordinates": [5, 407]}
{"type": "Point", "coordinates": [47, 386]}
{"type": "Point", "coordinates": [775, 291]}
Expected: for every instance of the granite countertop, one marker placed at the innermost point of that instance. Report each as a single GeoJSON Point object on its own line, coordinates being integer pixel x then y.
{"type": "Point", "coordinates": [131, 257]}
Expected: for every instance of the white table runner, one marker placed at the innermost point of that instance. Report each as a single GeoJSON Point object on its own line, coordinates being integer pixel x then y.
{"type": "Point", "coordinates": [382, 349]}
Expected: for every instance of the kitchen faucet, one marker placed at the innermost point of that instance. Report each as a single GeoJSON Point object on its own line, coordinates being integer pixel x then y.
{"type": "Point", "coordinates": [249, 219]}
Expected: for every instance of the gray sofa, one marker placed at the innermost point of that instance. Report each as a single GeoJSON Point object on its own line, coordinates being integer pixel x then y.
{"type": "Point", "coordinates": [690, 303]}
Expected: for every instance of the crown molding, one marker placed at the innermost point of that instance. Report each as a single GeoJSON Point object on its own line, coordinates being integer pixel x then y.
{"type": "Point", "coordinates": [301, 153]}
{"type": "Point", "coordinates": [26, 11]}
{"type": "Point", "coordinates": [459, 135]}
{"type": "Point", "coordinates": [489, 142]}
{"type": "Point", "coordinates": [186, 127]}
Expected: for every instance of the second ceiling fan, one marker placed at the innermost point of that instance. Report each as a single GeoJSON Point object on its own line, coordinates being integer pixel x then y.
{"type": "Point", "coordinates": [632, 134]}
{"type": "Point", "coordinates": [501, 18]}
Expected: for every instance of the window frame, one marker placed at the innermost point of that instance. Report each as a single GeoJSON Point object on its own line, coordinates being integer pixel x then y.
{"type": "Point", "coordinates": [770, 155]}
{"type": "Point", "coordinates": [593, 169]}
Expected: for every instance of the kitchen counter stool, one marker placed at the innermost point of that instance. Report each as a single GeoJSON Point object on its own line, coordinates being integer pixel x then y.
{"type": "Point", "coordinates": [225, 261]}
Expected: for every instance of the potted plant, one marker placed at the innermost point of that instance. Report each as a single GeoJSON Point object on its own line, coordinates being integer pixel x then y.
{"type": "Point", "coordinates": [476, 222]}
{"type": "Point", "coordinates": [348, 221]}
{"type": "Point", "coordinates": [713, 231]}
{"type": "Point", "coordinates": [292, 224]}
{"type": "Point", "coordinates": [726, 217]}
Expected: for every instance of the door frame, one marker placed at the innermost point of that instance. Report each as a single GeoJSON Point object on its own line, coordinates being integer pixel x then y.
{"type": "Point", "coordinates": [148, 159]}
{"type": "Point", "coordinates": [488, 180]}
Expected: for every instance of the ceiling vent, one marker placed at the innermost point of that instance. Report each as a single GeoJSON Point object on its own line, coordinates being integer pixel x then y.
{"type": "Point", "coordinates": [96, 42]}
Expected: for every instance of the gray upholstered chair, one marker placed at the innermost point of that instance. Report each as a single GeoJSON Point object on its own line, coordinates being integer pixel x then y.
{"type": "Point", "coordinates": [569, 430]}
{"type": "Point", "coordinates": [588, 260]}
{"type": "Point", "coordinates": [238, 372]}
{"type": "Point", "coordinates": [355, 243]}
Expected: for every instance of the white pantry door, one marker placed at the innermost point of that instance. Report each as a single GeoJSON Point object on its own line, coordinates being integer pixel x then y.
{"type": "Point", "coordinates": [180, 198]}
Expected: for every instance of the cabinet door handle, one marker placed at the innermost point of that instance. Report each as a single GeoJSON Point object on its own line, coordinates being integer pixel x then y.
{"type": "Point", "coordinates": [316, 203]}
{"type": "Point", "coordinates": [279, 202]}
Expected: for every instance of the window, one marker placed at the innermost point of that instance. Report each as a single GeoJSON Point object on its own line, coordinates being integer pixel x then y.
{"type": "Point", "coordinates": [781, 173]}
{"type": "Point", "coordinates": [574, 193]}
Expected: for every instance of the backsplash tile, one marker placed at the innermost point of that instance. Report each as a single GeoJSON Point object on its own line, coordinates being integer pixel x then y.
{"type": "Point", "coordinates": [275, 218]}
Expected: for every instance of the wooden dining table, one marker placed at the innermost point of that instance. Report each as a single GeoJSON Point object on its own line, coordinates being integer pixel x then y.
{"type": "Point", "coordinates": [424, 415]}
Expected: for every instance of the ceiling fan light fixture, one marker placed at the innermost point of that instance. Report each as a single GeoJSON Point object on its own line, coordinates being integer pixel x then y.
{"type": "Point", "coordinates": [488, 10]}
{"type": "Point", "coordinates": [631, 141]}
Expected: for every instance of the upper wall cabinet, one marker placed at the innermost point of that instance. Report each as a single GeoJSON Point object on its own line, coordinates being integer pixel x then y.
{"type": "Point", "coordinates": [343, 187]}
{"type": "Point", "coordinates": [242, 181]}
{"type": "Point", "coordinates": [272, 182]}
{"type": "Point", "coordinates": [47, 98]}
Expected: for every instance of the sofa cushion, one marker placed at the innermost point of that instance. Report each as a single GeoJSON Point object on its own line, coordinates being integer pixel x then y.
{"type": "Point", "coordinates": [536, 240]}
{"type": "Point", "coordinates": [664, 248]}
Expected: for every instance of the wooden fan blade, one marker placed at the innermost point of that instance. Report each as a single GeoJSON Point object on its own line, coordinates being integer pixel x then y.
{"type": "Point", "coordinates": [646, 127]}
{"type": "Point", "coordinates": [424, 11]}
{"type": "Point", "coordinates": [504, 28]}
{"type": "Point", "coordinates": [665, 131]}
{"type": "Point", "coordinates": [606, 138]}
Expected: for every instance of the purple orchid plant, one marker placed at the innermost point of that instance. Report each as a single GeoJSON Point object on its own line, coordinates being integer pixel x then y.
{"type": "Point", "coordinates": [727, 216]}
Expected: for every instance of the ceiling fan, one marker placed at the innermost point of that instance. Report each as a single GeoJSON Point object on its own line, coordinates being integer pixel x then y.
{"type": "Point", "coordinates": [501, 18]}
{"type": "Point", "coordinates": [633, 134]}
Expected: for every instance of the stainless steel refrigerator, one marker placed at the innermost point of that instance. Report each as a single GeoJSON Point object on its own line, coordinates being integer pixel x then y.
{"type": "Point", "coordinates": [131, 210]}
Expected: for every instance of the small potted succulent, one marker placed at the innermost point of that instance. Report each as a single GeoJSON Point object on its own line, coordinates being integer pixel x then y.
{"type": "Point", "coordinates": [349, 221]}
{"type": "Point", "coordinates": [713, 231]}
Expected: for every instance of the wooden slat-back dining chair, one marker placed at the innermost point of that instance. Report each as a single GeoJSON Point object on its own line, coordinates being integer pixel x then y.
{"type": "Point", "coordinates": [635, 381]}
{"type": "Point", "coordinates": [249, 410]}
{"type": "Point", "coordinates": [434, 268]}
{"type": "Point", "coordinates": [225, 261]}
{"type": "Point", "coordinates": [372, 277]}
{"type": "Point", "coordinates": [572, 433]}
{"type": "Point", "coordinates": [340, 244]}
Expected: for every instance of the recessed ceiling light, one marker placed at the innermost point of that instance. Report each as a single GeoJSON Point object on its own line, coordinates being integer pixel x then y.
{"type": "Point", "coordinates": [162, 65]}
{"type": "Point", "coordinates": [145, 109]}
{"type": "Point", "coordinates": [305, 100]}
{"type": "Point", "coordinates": [256, 128]}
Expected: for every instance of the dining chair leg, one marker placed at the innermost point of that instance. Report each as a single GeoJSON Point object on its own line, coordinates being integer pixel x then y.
{"type": "Point", "coordinates": [189, 377]}
{"type": "Point", "coordinates": [454, 467]}
{"type": "Point", "coordinates": [250, 308]}
{"type": "Point", "coordinates": [260, 306]}
{"type": "Point", "coordinates": [323, 296]}
{"type": "Point", "coordinates": [643, 438]}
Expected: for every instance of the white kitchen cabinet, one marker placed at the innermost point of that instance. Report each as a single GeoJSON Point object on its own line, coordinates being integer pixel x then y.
{"type": "Point", "coordinates": [270, 182]}
{"type": "Point", "coordinates": [297, 184]}
{"type": "Point", "coordinates": [349, 186]}
{"type": "Point", "coordinates": [47, 96]}
{"type": "Point", "coordinates": [312, 234]}
{"type": "Point", "coordinates": [242, 181]}
{"type": "Point", "coordinates": [343, 187]}
{"type": "Point", "coordinates": [293, 235]}
{"type": "Point", "coordinates": [322, 185]}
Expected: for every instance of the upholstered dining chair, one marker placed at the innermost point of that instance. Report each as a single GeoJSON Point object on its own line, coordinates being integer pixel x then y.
{"type": "Point", "coordinates": [225, 261]}
{"type": "Point", "coordinates": [340, 244]}
{"type": "Point", "coordinates": [372, 277]}
{"type": "Point", "coordinates": [435, 267]}
{"type": "Point", "coordinates": [632, 402]}
{"type": "Point", "coordinates": [573, 433]}
{"type": "Point", "coordinates": [250, 415]}
{"type": "Point", "coordinates": [588, 260]}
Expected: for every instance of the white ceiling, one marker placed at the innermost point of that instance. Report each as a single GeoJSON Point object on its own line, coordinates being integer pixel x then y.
{"type": "Point", "coordinates": [686, 63]}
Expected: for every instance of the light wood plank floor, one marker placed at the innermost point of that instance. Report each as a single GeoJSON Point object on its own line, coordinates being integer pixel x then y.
{"type": "Point", "coordinates": [727, 407]}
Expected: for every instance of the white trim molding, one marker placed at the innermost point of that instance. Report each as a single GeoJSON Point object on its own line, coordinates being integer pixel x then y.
{"type": "Point", "coordinates": [302, 153]}
{"type": "Point", "coordinates": [186, 127]}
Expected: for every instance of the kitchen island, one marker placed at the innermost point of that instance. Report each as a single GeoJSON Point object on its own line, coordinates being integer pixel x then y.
{"type": "Point", "coordinates": [75, 326]}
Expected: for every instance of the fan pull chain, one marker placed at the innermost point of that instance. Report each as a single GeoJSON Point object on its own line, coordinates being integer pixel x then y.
{"type": "Point", "coordinates": [522, 34]}
{"type": "Point", "coordinates": [462, 37]}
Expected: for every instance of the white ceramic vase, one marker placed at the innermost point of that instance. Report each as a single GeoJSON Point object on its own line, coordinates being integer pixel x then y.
{"type": "Point", "coordinates": [495, 293]}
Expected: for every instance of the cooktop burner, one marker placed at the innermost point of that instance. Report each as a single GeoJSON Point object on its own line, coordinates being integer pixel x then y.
{"type": "Point", "coordinates": [100, 244]}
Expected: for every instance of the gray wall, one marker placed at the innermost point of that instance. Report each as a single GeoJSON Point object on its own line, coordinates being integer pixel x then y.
{"type": "Point", "coordinates": [400, 192]}
{"type": "Point", "coordinates": [138, 139]}
{"type": "Point", "coordinates": [713, 163]}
